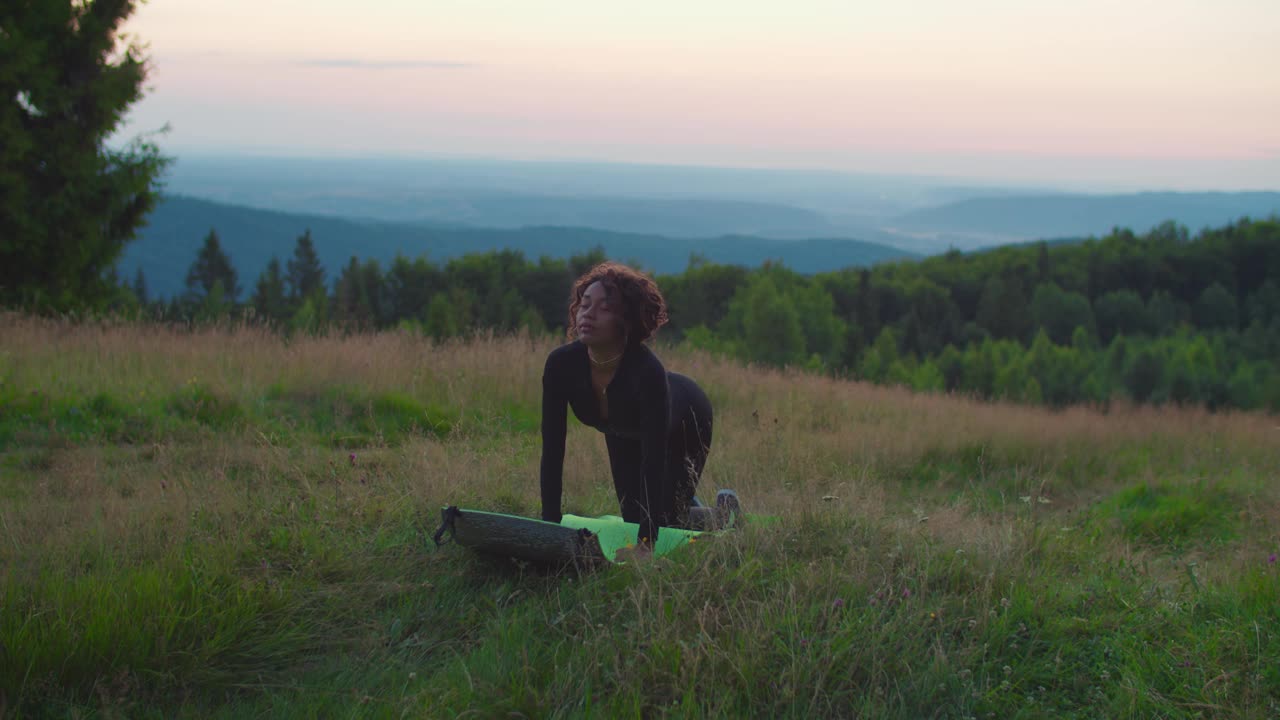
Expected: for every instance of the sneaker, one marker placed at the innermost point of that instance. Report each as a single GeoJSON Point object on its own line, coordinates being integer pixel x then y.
{"type": "Point", "coordinates": [728, 509]}
{"type": "Point", "coordinates": [702, 518]}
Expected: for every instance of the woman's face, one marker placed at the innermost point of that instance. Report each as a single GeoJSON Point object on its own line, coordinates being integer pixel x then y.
{"type": "Point", "coordinates": [599, 318]}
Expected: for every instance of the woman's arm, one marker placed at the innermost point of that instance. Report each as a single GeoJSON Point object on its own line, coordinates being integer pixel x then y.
{"type": "Point", "coordinates": [659, 491]}
{"type": "Point", "coordinates": [554, 417]}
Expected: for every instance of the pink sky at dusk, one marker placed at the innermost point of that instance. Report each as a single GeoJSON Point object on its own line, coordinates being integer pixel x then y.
{"type": "Point", "coordinates": [1177, 94]}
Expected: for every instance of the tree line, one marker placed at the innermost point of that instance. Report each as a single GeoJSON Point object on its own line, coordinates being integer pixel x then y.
{"type": "Point", "coordinates": [1152, 318]}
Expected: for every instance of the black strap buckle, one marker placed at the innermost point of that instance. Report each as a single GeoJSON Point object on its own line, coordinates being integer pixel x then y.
{"type": "Point", "coordinates": [447, 516]}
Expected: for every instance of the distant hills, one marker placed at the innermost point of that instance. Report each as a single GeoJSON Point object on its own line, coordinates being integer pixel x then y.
{"type": "Point", "coordinates": [656, 215]}
{"type": "Point", "coordinates": [251, 236]}
{"type": "Point", "coordinates": [918, 214]}
{"type": "Point", "coordinates": [168, 244]}
{"type": "Point", "coordinates": [673, 202]}
{"type": "Point", "coordinates": [671, 217]}
{"type": "Point", "coordinates": [997, 220]}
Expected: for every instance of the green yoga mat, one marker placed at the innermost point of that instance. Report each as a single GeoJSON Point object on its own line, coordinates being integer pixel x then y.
{"type": "Point", "coordinates": [574, 540]}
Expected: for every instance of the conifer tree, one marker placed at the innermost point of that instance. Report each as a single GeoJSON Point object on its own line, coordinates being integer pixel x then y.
{"type": "Point", "coordinates": [306, 274]}
{"type": "Point", "coordinates": [269, 299]}
{"type": "Point", "coordinates": [69, 203]}
{"type": "Point", "coordinates": [212, 268]}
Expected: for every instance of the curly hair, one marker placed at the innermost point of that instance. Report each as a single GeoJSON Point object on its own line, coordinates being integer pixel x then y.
{"type": "Point", "coordinates": [643, 308]}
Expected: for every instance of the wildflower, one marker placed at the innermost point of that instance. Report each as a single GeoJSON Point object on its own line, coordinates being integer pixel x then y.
{"type": "Point", "coordinates": [906, 592]}
{"type": "Point", "coordinates": [1272, 559]}
{"type": "Point", "coordinates": [838, 603]}
{"type": "Point", "coordinates": [933, 616]}
{"type": "Point", "coordinates": [352, 458]}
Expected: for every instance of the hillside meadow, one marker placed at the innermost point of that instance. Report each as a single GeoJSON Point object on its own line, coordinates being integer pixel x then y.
{"type": "Point", "coordinates": [222, 522]}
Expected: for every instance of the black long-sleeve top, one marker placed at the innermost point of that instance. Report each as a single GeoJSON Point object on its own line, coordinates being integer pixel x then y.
{"type": "Point", "coordinates": [638, 401]}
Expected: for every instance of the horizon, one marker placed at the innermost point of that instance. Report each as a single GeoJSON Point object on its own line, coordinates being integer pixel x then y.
{"type": "Point", "coordinates": [1081, 96]}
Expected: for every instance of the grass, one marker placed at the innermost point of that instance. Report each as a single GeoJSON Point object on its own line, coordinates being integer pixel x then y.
{"type": "Point", "coordinates": [222, 523]}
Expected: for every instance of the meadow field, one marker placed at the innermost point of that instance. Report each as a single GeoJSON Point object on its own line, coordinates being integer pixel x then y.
{"type": "Point", "coordinates": [221, 522]}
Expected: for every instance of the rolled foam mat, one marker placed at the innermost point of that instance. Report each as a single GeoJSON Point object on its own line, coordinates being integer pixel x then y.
{"type": "Point", "coordinates": [575, 539]}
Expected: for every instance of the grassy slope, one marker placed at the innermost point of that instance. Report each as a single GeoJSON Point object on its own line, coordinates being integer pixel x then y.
{"type": "Point", "coordinates": [221, 523]}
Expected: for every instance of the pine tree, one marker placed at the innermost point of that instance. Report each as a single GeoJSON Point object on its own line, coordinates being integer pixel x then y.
{"type": "Point", "coordinates": [68, 202]}
{"type": "Point", "coordinates": [212, 268]}
{"type": "Point", "coordinates": [269, 299]}
{"type": "Point", "coordinates": [351, 305]}
{"type": "Point", "coordinates": [306, 274]}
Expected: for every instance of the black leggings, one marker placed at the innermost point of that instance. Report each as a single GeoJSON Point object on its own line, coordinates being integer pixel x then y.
{"type": "Point", "coordinates": [688, 444]}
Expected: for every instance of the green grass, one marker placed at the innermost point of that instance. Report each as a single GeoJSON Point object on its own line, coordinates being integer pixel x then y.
{"type": "Point", "coordinates": [233, 535]}
{"type": "Point", "coordinates": [342, 417]}
{"type": "Point", "coordinates": [1175, 516]}
{"type": "Point", "coordinates": [346, 417]}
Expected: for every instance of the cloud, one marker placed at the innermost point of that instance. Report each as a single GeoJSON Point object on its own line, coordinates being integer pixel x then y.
{"type": "Point", "coordinates": [357, 64]}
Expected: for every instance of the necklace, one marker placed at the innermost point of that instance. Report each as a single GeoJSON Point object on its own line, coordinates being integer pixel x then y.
{"type": "Point", "coordinates": [610, 361]}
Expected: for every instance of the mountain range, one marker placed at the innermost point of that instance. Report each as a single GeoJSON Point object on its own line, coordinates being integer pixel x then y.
{"type": "Point", "coordinates": [167, 246]}
{"type": "Point", "coordinates": [919, 214]}
{"type": "Point", "coordinates": [658, 216]}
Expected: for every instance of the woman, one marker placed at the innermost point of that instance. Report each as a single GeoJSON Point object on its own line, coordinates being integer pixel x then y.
{"type": "Point", "coordinates": [656, 424]}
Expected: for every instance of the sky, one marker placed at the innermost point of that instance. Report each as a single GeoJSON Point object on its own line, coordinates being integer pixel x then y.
{"type": "Point", "coordinates": [1160, 94]}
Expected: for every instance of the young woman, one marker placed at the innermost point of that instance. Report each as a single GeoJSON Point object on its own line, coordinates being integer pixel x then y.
{"type": "Point", "coordinates": [656, 424]}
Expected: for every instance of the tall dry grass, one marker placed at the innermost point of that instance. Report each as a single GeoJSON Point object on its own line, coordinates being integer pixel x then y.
{"type": "Point", "coordinates": [930, 551]}
{"type": "Point", "coordinates": [785, 440]}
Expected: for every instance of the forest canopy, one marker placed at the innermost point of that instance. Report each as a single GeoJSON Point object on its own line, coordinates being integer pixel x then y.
{"type": "Point", "coordinates": [1152, 318]}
